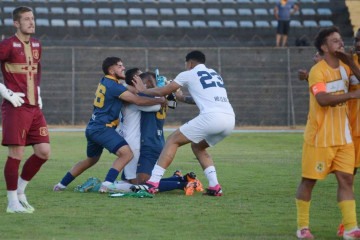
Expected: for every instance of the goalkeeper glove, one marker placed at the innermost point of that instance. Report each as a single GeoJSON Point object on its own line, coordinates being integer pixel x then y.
{"type": "Point", "coordinates": [39, 99]}
{"type": "Point", "coordinates": [160, 80]}
{"type": "Point", "coordinates": [14, 97]}
{"type": "Point", "coordinates": [172, 102]}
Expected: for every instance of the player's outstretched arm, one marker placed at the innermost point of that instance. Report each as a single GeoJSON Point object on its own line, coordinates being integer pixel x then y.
{"type": "Point", "coordinates": [160, 91]}
{"type": "Point", "coordinates": [182, 98]}
{"type": "Point", "coordinates": [141, 101]}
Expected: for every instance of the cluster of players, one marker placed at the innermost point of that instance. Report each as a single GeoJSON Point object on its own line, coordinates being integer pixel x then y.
{"type": "Point", "coordinates": [129, 113]}
{"type": "Point", "coordinates": [138, 142]}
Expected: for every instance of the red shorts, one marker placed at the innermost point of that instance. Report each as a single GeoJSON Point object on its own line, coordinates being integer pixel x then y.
{"type": "Point", "coordinates": [23, 125]}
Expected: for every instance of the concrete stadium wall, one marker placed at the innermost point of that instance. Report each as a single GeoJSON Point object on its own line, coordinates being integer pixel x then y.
{"type": "Point", "coordinates": [262, 82]}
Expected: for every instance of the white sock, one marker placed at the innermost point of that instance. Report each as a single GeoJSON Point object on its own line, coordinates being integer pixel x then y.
{"type": "Point", "coordinates": [210, 173]}
{"type": "Point", "coordinates": [22, 185]}
{"type": "Point", "coordinates": [123, 186]}
{"type": "Point", "coordinates": [156, 174]}
{"type": "Point", "coordinates": [12, 197]}
{"type": "Point", "coordinates": [106, 183]}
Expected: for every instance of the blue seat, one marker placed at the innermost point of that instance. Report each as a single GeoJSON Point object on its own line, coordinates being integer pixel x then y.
{"type": "Point", "coordinates": [135, 11]}
{"type": "Point", "coordinates": [152, 23]}
{"type": "Point", "coordinates": [213, 11]}
{"type": "Point", "coordinates": [324, 11]}
{"type": "Point", "coordinates": [57, 22]}
{"type": "Point", "coordinates": [88, 11]}
{"type": "Point", "coordinates": [120, 11]}
{"type": "Point", "coordinates": [230, 24]}
{"type": "Point", "coordinates": [120, 23]}
{"type": "Point", "coordinates": [259, 1]}
{"type": "Point", "coordinates": [243, 1]}
{"type": "Point", "coordinates": [151, 11]}
{"type": "Point", "coordinates": [9, 9]}
{"type": "Point", "coordinates": [182, 11]}
{"type": "Point", "coordinates": [104, 11]}
{"type": "Point", "coordinates": [41, 10]}
{"type": "Point", "coordinates": [167, 23]}
{"type": "Point", "coordinates": [136, 23]}
{"type": "Point", "coordinates": [229, 11]}
{"type": "Point", "coordinates": [73, 10]}
{"type": "Point", "coordinates": [8, 22]}
{"type": "Point", "coordinates": [325, 23]}
{"type": "Point", "coordinates": [260, 11]}
{"type": "Point", "coordinates": [73, 23]}
{"type": "Point", "coordinates": [214, 23]}
{"type": "Point", "coordinates": [246, 24]}
{"type": "Point", "coordinates": [57, 10]}
{"type": "Point", "coordinates": [89, 23]}
{"type": "Point", "coordinates": [308, 11]}
{"type": "Point", "coordinates": [199, 23]}
{"type": "Point", "coordinates": [197, 11]}
{"type": "Point", "coordinates": [295, 23]}
{"type": "Point", "coordinates": [245, 11]}
{"type": "Point", "coordinates": [183, 23]}
{"type": "Point", "coordinates": [166, 11]}
{"type": "Point", "coordinates": [42, 22]}
{"type": "Point", "coordinates": [105, 23]}
{"type": "Point", "coordinates": [262, 23]}
{"type": "Point", "coordinates": [309, 23]}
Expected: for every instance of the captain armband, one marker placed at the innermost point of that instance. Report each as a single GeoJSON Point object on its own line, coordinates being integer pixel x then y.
{"type": "Point", "coordinates": [318, 88]}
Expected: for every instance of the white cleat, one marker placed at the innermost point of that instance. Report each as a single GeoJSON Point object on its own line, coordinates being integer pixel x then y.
{"type": "Point", "coordinates": [59, 187]}
{"type": "Point", "coordinates": [16, 208]}
{"type": "Point", "coordinates": [23, 201]}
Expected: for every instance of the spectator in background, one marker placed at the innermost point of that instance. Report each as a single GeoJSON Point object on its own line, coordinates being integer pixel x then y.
{"type": "Point", "coordinates": [303, 74]}
{"type": "Point", "coordinates": [283, 11]}
{"type": "Point", "coordinates": [23, 122]}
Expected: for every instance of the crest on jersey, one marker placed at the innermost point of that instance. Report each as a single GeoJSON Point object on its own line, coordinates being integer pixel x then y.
{"type": "Point", "coordinates": [320, 167]}
{"type": "Point", "coordinates": [35, 54]}
{"type": "Point", "coordinates": [43, 131]}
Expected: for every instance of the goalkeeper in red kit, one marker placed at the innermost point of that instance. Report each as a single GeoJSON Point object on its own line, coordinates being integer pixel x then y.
{"type": "Point", "coordinates": [23, 123]}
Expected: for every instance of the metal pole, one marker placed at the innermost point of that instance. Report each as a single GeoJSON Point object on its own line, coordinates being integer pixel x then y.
{"type": "Point", "coordinates": [291, 110]}
{"type": "Point", "coordinates": [73, 86]}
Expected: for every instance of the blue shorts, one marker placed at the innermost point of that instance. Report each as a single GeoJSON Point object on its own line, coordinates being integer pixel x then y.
{"type": "Point", "coordinates": [99, 139]}
{"type": "Point", "coordinates": [147, 160]}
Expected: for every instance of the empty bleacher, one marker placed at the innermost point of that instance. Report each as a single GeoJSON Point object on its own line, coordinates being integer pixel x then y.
{"type": "Point", "coordinates": [240, 21]}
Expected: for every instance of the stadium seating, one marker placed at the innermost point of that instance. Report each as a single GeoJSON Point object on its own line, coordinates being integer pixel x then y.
{"type": "Point", "coordinates": [230, 15]}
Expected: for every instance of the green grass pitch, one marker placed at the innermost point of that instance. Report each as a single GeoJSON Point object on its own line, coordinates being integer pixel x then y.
{"type": "Point", "coordinates": [259, 173]}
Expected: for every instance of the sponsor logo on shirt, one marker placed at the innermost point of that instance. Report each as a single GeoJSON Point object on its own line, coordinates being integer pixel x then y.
{"type": "Point", "coordinates": [35, 44]}
{"type": "Point", "coordinates": [16, 45]}
{"type": "Point", "coordinates": [35, 54]}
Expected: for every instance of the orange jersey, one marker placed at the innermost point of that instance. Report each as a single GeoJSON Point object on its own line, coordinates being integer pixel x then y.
{"type": "Point", "coordinates": [328, 126]}
{"type": "Point", "coordinates": [354, 104]}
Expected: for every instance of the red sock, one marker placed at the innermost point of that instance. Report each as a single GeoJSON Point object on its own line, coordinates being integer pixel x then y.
{"type": "Point", "coordinates": [31, 167]}
{"type": "Point", "coordinates": [11, 173]}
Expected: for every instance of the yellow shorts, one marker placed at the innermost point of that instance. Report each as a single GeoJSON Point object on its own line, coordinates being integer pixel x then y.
{"type": "Point", "coordinates": [318, 162]}
{"type": "Point", "coordinates": [356, 141]}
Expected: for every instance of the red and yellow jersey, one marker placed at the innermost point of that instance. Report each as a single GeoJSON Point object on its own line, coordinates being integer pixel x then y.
{"type": "Point", "coordinates": [20, 66]}
{"type": "Point", "coordinates": [354, 104]}
{"type": "Point", "coordinates": [328, 126]}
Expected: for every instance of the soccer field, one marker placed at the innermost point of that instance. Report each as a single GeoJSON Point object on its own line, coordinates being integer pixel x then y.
{"type": "Point", "coordinates": [259, 173]}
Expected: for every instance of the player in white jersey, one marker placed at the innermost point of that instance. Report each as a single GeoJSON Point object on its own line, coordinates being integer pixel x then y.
{"type": "Point", "coordinates": [130, 126]}
{"type": "Point", "coordinates": [215, 121]}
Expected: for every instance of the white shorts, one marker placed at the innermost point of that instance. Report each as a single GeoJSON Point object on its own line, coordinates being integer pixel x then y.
{"type": "Point", "coordinates": [130, 168]}
{"type": "Point", "coordinates": [211, 127]}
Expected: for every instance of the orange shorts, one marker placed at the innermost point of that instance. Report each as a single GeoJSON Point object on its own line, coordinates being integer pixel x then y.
{"type": "Point", "coordinates": [318, 162]}
{"type": "Point", "coordinates": [356, 141]}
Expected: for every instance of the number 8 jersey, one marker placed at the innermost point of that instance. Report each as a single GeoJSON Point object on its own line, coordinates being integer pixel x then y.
{"type": "Point", "coordinates": [207, 89]}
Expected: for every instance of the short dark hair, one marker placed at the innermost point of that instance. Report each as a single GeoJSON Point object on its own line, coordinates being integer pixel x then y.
{"type": "Point", "coordinates": [196, 56]}
{"type": "Point", "coordinates": [108, 62]}
{"type": "Point", "coordinates": [16, 14]}
{"type": "Point", "coordinates": [322, 35]}
{"type": "Point", "coordinates": [145, 75]}
{"type": "Point", "coordinates": [129, 75]}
